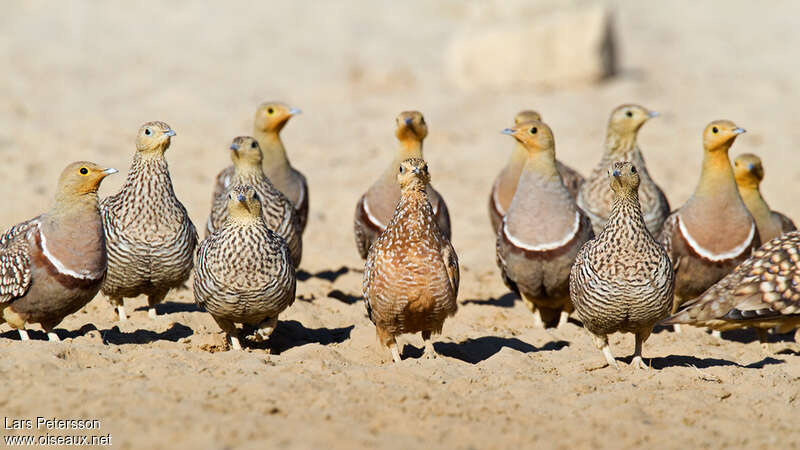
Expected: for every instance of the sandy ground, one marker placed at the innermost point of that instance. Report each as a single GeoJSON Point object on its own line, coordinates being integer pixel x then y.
{"type": "Point", "coordinates": [79, 78]}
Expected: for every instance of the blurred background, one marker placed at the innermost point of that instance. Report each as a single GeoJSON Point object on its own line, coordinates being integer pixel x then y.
{"type": "Point", "coordinates": [80, 77]}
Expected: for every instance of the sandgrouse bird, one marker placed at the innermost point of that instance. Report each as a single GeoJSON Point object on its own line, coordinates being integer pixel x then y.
{"type": "Point", "coordinates": [270, 119]}
{"type": "Point", "coordinates": [506, 182]}
{"type": "Point", "coordinates": [595, 195]}
{"type": "Point", "coordinates": [53, 265]}
{"type": "Point", "coordinates": [542, 231]}
{"type": "Point", "coordinates": [149, 236]}
{"type": "Point", "coordinates": [244, 271]}
{"type": "Point", "coordinates": [763, 292]}
{"type": "Point", "coordinates": [411, 275]}
{"type": "Point", "coordinates": [713, 231]}
{"type": "Point", "coordinates": [377, 205]}
{"type": "Point", "coordinates": [749, 172]}
{"type": "Point", "coordinates": [623, 280]}
{"type": "Point", "coordinates": [279, 213]}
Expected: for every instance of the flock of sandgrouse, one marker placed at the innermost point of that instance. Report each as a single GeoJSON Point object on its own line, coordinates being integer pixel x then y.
{"type": "Point", "coordinates": [607, 247]}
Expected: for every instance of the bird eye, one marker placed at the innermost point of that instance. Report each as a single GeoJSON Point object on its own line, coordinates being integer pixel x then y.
{"type": "Point", "coordinates": [534, 130]}
{"type": "Point", "coordinates": [628, 113]}
{"type": "Point", "coordinates": [715, 130]}
{"type": "Point", "coordinates": [633, 169]}
{"type": "Point", "coordinates": [253, 144]}
{"type": "Point", "coordinates": [147, 131]}
{"type": "Point", "coordinates": [402, 169]}
{"type": "Point", "coordinates": [270, 111]}
{"type": "Point", "coordinates": [84, 171]}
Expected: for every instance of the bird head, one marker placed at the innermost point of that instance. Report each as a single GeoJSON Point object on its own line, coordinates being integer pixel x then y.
{"type": "Point", "coordinates": [413, 172]}
{"type": "Point", "coordinates": [154, 136]}
{"type": "Point", "coordinates": [81, 178]}
{"type": "Point", "coordinates": [527, 115]}
{"type": "Point", "coordinates": [534, 135]}
{"type": "Point", "coordinates": [245, 152]}
{"type": "Point", "coordinates": [243, 203]}
{"type": "Point", "coordinates": [272, 116]}
{"type": "Point", "coordinates": [748, 170]}
{"type": "Point", "coordinates": [628, 119]}
{"type": "Point", "coordinates": [411, 126]}
{"type": "Point", "coordinates": [720, 134]}
{"type": "Point", "coordinates": [624, 177]}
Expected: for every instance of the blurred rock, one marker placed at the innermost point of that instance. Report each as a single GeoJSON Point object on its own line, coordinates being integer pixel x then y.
{"type": "Point", "coordinates": [575, 45]}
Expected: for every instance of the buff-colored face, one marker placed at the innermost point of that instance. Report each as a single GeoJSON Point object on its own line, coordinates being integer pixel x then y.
{"type": "Point", "coordinates": [82, 177]}
{"type": "Point", "coordinates": [720, 134]}
{"type": "Point", "coordinates": [527, 115]}
{"type": "Point", "coordinates": [413, 171]}
{"type": "Point", "coordinates": [748, 170]}
{"type": "Point", "coordinates": [245, 150]}
{"type": "Point", "coordinates": [534, 135]}
{"type": "Point", "coordinates": [629, 118]}
{"type": "Point", "coordinates": [623, 177]}
{"type": "Point", "coordinates": [243, 202]}
{"type": "Point", "coordinates": [272, 116]}
{"type": "Point", "coordinates": [411, 125]}
{"type": "Point", "coordinates": [154, 136]}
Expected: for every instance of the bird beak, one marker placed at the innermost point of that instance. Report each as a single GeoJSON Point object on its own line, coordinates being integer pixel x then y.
{"type": "Point", "coordinates": [408, 121]}
{"type": "Point", "coordinates": [738, 130]}
{"type": "Point", "coordinates": [616, 173]}
{"type": "Point", "coordinates": [507, 131]}
{"type": "Point", "coordinates": [110, 171]}
{"type": "Point", "coordinates": [416, 171]}
{"type": "Point", "coordinates": [169, 133]}
{"type": "Point", "coordinates": [295, 111]}
{"type": "Point", "coordinates": [652, 114]}
{"type": "Point", "coordinates": [235, 147]}
{"type": "Point", "coordinates": [751, 167]}
{"type": "Point", "coordinates": [241, 198]}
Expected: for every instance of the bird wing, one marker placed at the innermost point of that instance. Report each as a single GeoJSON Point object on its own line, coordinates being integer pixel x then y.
{"type": "Point", "coordinates": [222, 183]}
{"type": "Point", "coordinates": [451, 265]}
{"type": "Point", "coordinates": [665, 238]}
{"type": "Point", "coordinates": [571, 178]}
{"type": "Point", "coordinates": [302, 202]}
{"type": "Point", "coordinates": [360, 223]}
{"type": "Point", "coordinates": [15, 262]}
{"type": "Point", "coordinates": [219, 209]}
{"type": "Point", "coordinates": [441, 213]}
{"type": "Point", "coordinates": [787, 224]}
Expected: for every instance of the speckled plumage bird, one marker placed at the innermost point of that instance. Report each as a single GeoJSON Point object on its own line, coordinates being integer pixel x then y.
{"type": "Point", "coordinates": [377, 205]}
{"type": "Point", "coordinates": [53, 265]}
{"type": "Point", "coordinates": [595, 195]}
{"type": "Point", "coordinates": [542, 231]}
{"type": "Point", "coordinates": [505, 184]}
{"type": "Point", "coordinates": [270, 119]}
{"type": "Point", "coordinates": [713, 231]}
{"type": "Point", "coordinates": [279, 213]}
{"type": "Point", "coordinates": [411, 275]}
{"type": "Point", "coordinates": [149, 236]}
{"type": "Point", "coordinates": [623, 280]}
{"type": "Point", "coordinates": [749, 172]}
{"type": "Point", "coordinates": [244, 271]}
{"type": "Point", "coordinates": [763, 292]}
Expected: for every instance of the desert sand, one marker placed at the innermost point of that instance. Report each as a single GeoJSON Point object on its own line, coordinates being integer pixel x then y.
{"type": "Point", "coordinates": [80, 77]}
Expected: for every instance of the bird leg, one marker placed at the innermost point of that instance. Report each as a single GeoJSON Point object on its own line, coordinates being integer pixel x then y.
{"type": "Point", "coordinates": [121, 313]}
{"type": "Point", "coordinates": [395, 351]}
{"type": "Point", "coordinates": [52, 336]}
{"type": "Point", "coordinates": [637, 360]}
{"type": "Point", "coordinates": [231, 332]}
{"type": "Point", "coordinates": [266, 328]}
{"type": "Point", "coordinates": [234, 341]}
{"type": "Point", "coordinates": [563, 318]}
{"type": "Point", "coordinates": [601, 342]}
{"type": "Point", "coordinates": [762, 338]}
{"type": "Point", "coordinates": [23, 335]}
{"type": "Point", "coordinates": [716, 333]}
{"type": "Point", "coordinates": [677, 328]}
{"type": "Point", "coordinates": [152, 301]}
{"type": "Point", "coordinates": [429, 352]}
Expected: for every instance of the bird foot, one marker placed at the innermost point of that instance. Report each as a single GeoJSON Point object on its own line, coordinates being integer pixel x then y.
{"type": "Point", "coordinates": [265, 329]}
{"type": "Point", "coordinates": [563, 319]}
{"type": "Point", "coordinates": [716, 333]}
{"type": "Point", "coordinates": [609, 357]}
{"type": "Point", "coordinates": [52, 336]}
{"type": "Point", "coordinates": [235, 345]}
{"type": "Point", "coordinates": [396, 353]}
{"type": "Point", "coordinates": [151, 311]}
{"type": "Point", "coordinates": [121, 313]}
{"type": "Point", "coordinates": [23, 335]}
{"type": "Point", "coordinates": [429, 352]}
{"type": "Point", "coordinates": [538, 323]}
{"type": "Point", "coordinates": [677, 328]}
{"type": "Point", "coordinates": [638, 363]}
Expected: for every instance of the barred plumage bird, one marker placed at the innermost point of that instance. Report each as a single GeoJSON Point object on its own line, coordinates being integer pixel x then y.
{"type": "Point", "coordinates": [149, 236]}
{"type": "Point", "coordinates": [749, 172]}
{"type": "Point", "coordinates": [505, 184]}
{"type": "Point", "coordinates": [270, 119]}
{"type": "Point", "coordinates": [763, 292]}
{"type": "Point", "coordinates": [713, 231]}
{"type": "Point", "coordinates": [279, 214]}
{"type": "Point", "coordinates": [244, 271]}
{"type": "Point", "coordinates": [595, 195]}
{"type": "Point", "coordinates": [411, 275]}
{"type": "Point", "coordinates": [377, 205]}
{"type": "Point", "coordinates": [542, 231]}
{"type": "Point", "coordinates": [623, 280]}
{"type": "Point", "coordinates": [53, 265]}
